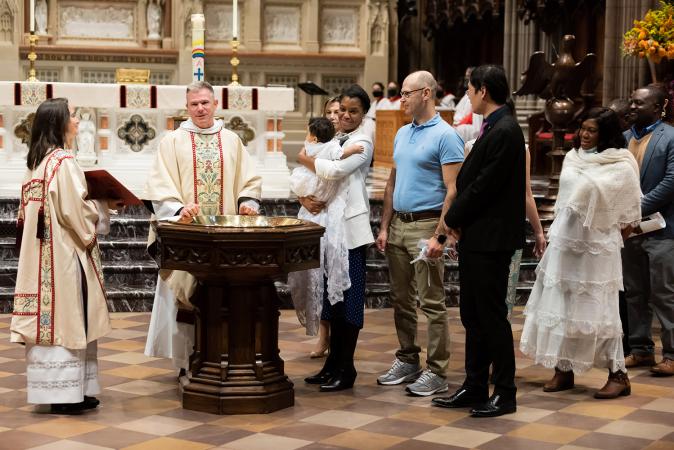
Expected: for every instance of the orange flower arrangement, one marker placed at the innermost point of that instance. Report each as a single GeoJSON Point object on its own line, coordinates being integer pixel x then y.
{"type": "Point", "coordinates": [652, 37]}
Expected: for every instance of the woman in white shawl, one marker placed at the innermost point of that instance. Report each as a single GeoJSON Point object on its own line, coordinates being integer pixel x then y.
{"type": "Point", "coordinates": [572, 320]}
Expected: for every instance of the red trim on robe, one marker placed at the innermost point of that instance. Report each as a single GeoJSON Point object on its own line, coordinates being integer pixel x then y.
{"type": "Point", "coordinates": [194, 166]}
{"type": "Point", "coordinates": [222, 175]}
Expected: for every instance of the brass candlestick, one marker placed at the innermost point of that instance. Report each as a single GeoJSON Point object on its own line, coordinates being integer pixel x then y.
{"type": "Point", "coordinates": [32, 56]}
{"type": "Point", "coordinates": [234, 62]}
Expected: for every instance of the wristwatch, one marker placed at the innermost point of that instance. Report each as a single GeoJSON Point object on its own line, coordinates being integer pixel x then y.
{"type": "Point", "coordinates": [441, 238]}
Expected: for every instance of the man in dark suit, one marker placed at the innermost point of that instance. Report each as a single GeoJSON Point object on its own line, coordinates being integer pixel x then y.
{"type": "Point", "coordinates": [648, 260]}
{"type": "Point", "coordinates": [488, 218]}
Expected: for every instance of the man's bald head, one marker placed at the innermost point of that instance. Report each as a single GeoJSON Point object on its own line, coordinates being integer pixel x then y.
{"type": "Point", "coordinates": [422, 79]}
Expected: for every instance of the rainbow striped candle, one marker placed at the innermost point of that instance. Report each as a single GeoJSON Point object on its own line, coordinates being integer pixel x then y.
{"type": "Point", "coordinates": [198, 54]}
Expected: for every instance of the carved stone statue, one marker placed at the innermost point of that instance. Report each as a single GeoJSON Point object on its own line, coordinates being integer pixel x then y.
{"type": "Point", "coordinates": [86, 154]}
{"type": "Point", "coordinates": [41, 17]}
{"type": "Point", "coordinates": [154, 13]}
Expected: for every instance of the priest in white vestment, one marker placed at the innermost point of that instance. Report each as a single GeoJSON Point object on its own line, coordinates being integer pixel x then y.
{"type": "Point", "coordinates": [60, 307]}
{"type": "Point", "coordinates": [200, 168]}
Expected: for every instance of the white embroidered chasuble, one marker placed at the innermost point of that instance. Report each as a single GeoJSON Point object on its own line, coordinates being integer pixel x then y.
{"type": "Point", "coordinates": [213, 169]}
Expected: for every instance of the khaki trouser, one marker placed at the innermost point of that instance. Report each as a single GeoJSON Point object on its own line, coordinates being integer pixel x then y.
{"type": "Point", "coordinates": [400, 250]}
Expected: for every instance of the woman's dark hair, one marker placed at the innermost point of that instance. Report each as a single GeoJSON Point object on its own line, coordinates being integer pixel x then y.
{"type": "Point", "coordinates": [355, 91]}
{"type": "Point", "coordinates": [493, 78]}
{"type": "Point", "coordinates": [322, 128]}
{"type": "Point", "coordinates": [380, 84]}
{"type": "Point", "coordinates": [48, 131]}
{"type": "Point", "coordinates": [610, 134]}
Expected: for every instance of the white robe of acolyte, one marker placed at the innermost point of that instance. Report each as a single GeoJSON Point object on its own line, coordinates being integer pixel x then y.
{"type": "Point", "coordinates": [51, 316]}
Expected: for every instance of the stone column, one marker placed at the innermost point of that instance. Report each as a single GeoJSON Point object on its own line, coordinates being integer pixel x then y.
{"type": "Point", "coordinates": [311, 22]}
{"type": "Point", "coordinates": [12, 37]}
{"type": "Point", "coordinates": [627, 71]}
{"type": "Point", "coordinates": [252, 35]}
{"type": "Point", "coordinates": [519, 43]}
{"type": "Point", "coordinates": [375, 43]}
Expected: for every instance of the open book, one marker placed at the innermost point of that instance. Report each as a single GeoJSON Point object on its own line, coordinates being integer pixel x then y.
{"type": "Point", "coordinates": [649, 224]}
{"type": "Point", "coordinates": [101, 186]}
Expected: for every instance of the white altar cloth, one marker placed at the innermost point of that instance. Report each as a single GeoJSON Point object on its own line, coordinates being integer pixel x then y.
{"type": "Point", "coordinates": [261, 109]}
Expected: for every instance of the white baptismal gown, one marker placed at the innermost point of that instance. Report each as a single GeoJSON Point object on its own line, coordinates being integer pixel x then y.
{"type": "Point", "coordinates": [307, 287]}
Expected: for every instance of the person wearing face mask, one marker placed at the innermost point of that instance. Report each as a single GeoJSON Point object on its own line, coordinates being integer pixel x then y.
{"type": "Point", "coordinates": [60, 308]}
{"type": "Point", "coordinates": [572, 315]}
{"type": "Point", "coordinates": [648, 260]}
{"type": "Point", "coordinates": [392, 100]}
{"type": "Point", "coordinates": [377, 96]}
{"type": "Point", "coordinates": [200, 168]}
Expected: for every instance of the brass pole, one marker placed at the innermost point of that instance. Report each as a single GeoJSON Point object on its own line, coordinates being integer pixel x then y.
{"type": "Point", "coordinates": [234, 62]}
{"type": "Point", "coordinates": [32, 56]}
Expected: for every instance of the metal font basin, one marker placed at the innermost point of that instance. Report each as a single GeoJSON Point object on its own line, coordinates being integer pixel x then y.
{"type": "Point", "coordinates": [232, 221]}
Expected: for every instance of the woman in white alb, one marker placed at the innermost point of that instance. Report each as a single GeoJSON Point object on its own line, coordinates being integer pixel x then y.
{"type": "Point", "coordinates": [572, 320]}
{"type": "Point", "coordinates": [60, 307]}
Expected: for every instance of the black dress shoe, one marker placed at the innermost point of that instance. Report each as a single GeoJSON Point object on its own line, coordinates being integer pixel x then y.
{"type": "Point", "coordinates": [342, 380]}
{"type": "Point", "coordinates": [462, 398]}
{"type": "Point", "coordinates": [68, 408]}
{"type": "Point", "coordinates": [91, 402]}
{"type": "Point", "coordinates": [322, 377]}
{"type": "Point", "coordinates": [497, 405]}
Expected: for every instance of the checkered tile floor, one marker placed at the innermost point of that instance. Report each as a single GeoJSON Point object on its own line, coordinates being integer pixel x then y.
{"type": "Point", "coordinates": [141, 410]}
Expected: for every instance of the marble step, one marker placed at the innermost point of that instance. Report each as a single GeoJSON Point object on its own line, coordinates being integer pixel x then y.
{"type": "Point", "coordinates": [128, 275]}
{"type": "Point", "coordinates": [131, 299]}
{"type": "Point", "coordinates": [123, 250]}
{"type": "Point", "coordinates": [377, 271]}
{"type": "Point", "coordinates": [121, 228]}
{"type": "Point", "coordinates": [119, 299]}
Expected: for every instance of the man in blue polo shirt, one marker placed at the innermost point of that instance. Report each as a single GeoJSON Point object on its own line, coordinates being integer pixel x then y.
{"type": "Point", "coordinates": [427, 155]}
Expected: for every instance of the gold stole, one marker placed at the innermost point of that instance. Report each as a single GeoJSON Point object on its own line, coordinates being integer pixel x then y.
{"type": "Point", "coordinates": [208, 172]}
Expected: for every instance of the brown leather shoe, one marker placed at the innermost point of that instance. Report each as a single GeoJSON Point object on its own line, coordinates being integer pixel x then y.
{"type": "Point", "coordinates": [665, 368]}
{"type": "Point", "coordinates": [617, 384]}
{"type": "Point", "coordinates": [636, 360]}
{"type": "Point", "coordinates": [562, 381]}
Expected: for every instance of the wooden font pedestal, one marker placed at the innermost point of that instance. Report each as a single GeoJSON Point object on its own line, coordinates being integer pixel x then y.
{"type": "Point", "coordinates": [236, 367]}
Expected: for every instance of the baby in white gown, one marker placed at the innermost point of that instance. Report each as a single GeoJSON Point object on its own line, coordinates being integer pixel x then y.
{"type": "Point", "coordinates": [307, 287]}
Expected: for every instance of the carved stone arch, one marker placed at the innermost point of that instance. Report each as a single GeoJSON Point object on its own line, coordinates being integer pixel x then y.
{"type": "Point", "coordinates": [8, 20]}
{"type": "Point", "coordinates": [466, 9]}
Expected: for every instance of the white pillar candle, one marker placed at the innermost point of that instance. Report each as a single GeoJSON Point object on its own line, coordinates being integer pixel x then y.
{"type": "Point", "coordinates": [198, 51]}
{"type": "Point", "coordinates": [235, 19]}
{"type": "Point", "coordinates": [31, 16]}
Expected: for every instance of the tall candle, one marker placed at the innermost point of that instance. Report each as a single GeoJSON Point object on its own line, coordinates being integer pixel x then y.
{"type": "Point", "coordinates": [235, 19]}
{"type": "Point", "coordinates": [198, 53]}
{"type": "Point", "coordinates": [32, 16]}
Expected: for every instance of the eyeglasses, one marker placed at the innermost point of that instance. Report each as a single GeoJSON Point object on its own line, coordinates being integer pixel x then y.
{"type": "Point", "coordinates": [406, 94]}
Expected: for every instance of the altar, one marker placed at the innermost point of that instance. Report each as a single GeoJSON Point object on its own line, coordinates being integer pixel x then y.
{"type": "Point", "coordinates": [121, 126]}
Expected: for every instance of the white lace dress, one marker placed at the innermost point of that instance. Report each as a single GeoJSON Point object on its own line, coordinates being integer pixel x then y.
{"type": "Point", "coordinates": [307, 287]}
{"type": "Point", "coordinates": [572, 318]}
